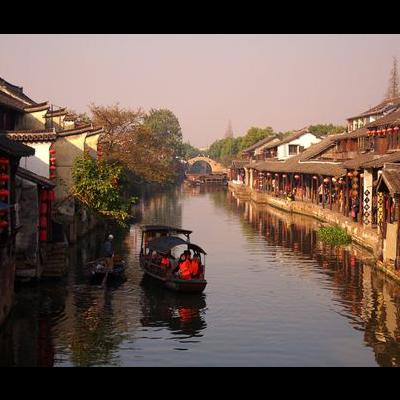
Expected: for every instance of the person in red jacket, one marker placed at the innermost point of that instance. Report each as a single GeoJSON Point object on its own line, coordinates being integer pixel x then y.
{"type": "Point", "coordinates": [185, 267]}
{"type": "Point", "coordinates": [195, 266]}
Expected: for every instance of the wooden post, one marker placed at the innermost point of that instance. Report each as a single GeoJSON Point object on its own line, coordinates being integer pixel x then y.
{"type": "Point", "coordinates": [397, 261]}
{"type": "Point", "coordinates": [330, 193]}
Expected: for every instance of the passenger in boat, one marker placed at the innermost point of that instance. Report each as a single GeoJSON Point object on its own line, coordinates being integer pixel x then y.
{"type": "Point", "coordinates": [184, 265]}
{"type": "Point", "coordinates": [165, 261]}
{"type": "Point", "coordinates": [195, 266]}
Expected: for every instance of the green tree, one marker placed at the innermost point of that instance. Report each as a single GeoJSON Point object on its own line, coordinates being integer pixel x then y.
{"type": "Point", "coordinates": [165, 125]}
{"type": "Point", "coordinates": [254, 135]}
{"type": "Point", "coordinates": [188, 151]}
{"type": "Point", "coordinates": [326, 129]}
{"type": "Point", "coordinates": [99, 186]}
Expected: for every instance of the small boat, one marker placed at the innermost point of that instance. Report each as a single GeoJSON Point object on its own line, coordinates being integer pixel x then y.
{"type": "Point", "coordinates": [97, 269]}
{"type": "Point", "coordinates": [161, 240]}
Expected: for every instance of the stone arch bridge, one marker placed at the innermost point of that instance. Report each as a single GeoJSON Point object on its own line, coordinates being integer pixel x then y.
{"type": "Point", "coordinates": [216, 168]}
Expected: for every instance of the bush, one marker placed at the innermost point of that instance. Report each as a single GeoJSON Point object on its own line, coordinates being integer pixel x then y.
{"type": "Point", "coordinates": [333, 235]}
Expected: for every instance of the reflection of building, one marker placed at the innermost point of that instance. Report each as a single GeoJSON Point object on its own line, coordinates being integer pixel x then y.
{"type": "Point", "coordinates": [370, 302]}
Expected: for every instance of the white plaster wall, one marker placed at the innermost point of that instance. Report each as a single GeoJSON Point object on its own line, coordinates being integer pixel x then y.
{"type": "Point", "coordinates": [39, 163]}
{"type": "Point", "coordinates": [305, 140]}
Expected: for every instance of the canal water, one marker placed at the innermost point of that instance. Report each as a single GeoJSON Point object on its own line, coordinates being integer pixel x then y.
{"type": "Point", "coordinates": [275, 297]}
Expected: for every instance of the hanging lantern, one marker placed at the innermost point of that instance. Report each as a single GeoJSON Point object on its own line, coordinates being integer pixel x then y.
{"type": "Point", "coordinates": [4, 193]}
{"type": "Point", "coordinates": [3, 224]}
{"type": "Point", "coordinates": [43, 222]}
{"type": "Point", "coordinates": [53, 167]}
{"type": "Point", "coordinates": [383, 132]}
{"type": "Point", "coordinates": [4, 178]}
{"type": "Point", "coordinates": [4, 161]}
{"type": "Point", "coordinates": [43, 196]}
{"type": "Point", "coordinates": [51, 195]}
{"type": "Point", "coordinates": [284, 176]}
{"type": "Point", "coordinates": [43, 208]}
{"type": "Point", "coordinates": [389, 130]}
{"type": "Point", "coordinates": [52, 151]}
{"type": "Point", "coordinates": [326, 180]}
{"type": "Point", "coordinates": [361, 175]}
{"type": "Point", "coordinates": [354, 186]}
{"type": "Point", "coordinates": [43, 235]}
{"type": "Point", "coordinates": [396, 128]}
{"type": "Point", "coordinates": [53, 160]}
{"type": "Point", "coordinates": [268, 174]}
{"type": "Point", "coordinates": [334, 180]}
{"type": "Point", "coordinates": [315, 177]}
{"type": "Point", "coordinates": [349, 174]}
{"type": "Point", "coordinates": [297, 177]}
{"type": "Point", "coordinates": [276, 174]}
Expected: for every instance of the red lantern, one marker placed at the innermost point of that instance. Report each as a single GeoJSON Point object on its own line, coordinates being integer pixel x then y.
{"type": "Point", "coordinates": [4, 193]}
{"type": "Point", "coordinates": [383, 132]}
{"type": "Point", "coordinates": [53, 159]}
{"type": "Point", "coordinates": [53, 167]}
{"type": "Point", "coordinates": [350, 174]}
{"type": "Point", "coordinates": [297, 177]}
{"type": "Point", "coordinates": [43, 222]}
{"type": "Point", "coordinates": [3, 224]}
{"type": "Point", "coordinates": [53, 176]}
{"type": "Point", "coordinates": [43, 196]}
{"type": "Point", "coordinates": [43, 235]}
{"type": "Point", "coordinates": [396, 128]}
{"type": "Point", "coordinates": [326, 180]}
{"type": "Point", "coordinates": [388, 130]}
{"type": "Point", "coordinates": [315, 177]}
{"type": "Point", "coordinates": [4, 178]}
{"type": "Point", "coordinates": [43, 208]}
{"type": "Point", "coordinates": [4, 161]}
{"type": "Point", "coordinates": [52, 151]}
{"type": "Point", "coordinates": [52, 195]}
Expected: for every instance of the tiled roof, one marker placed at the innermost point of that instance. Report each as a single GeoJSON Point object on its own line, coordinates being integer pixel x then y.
{"type": "Point", "coordinates": [32, 135]}
{"type": "Point", "coordinates": [11, 102]}
{"type": "Point", "coordinates": [239, 163]}
{"type": "Point", "coordinates": [75, 131]}
{"type": "Point", "coordinates": [56, 113]}
{"type": "Point", "coordinates": [15, 149]}
{"type": "Point", "coordinates": [260, 143]}
{"type": "Point", "coordinates": [372, 160]}
{"type": "Point", "coordinates": [15, 90]}
{"type": "Point", "coordinates": [293, 136]}
{"type": "Point", "coordinates": [361, 132]}
{"type": "Point", "coordinates": [31, 176]}
{"type": "Point", "coordinates": [37, 107]}
{"type": "Point", "coordinates": [391, 176]}
{"type": "Point", "coordinates": [317, 148]}
{"type": "Point", "coordinates": [95, 131]}
{"type": "Point", "coordinates": [385, 106]}
{"type": "Point", "coordinates": [388, 120]}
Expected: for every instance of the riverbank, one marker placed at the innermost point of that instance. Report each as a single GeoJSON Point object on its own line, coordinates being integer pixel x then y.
{"type": "Point", "coordinates": [366, 237]}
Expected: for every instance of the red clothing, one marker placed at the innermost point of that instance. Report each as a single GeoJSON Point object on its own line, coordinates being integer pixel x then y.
{"type": "Point", "coordinates": [165, 262]}
{"type": "Point", "coordinates": [184, 269]}
{"type": "Point", "coordinates": [194, 267]}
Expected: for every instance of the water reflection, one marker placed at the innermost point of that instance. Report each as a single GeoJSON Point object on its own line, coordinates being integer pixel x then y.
{"type": "Point", "coordinates": [183, 314]}
{"type": "Point", "coordinates": [276, 296]}
{"type": "Point", "coordinates": [369, 300]}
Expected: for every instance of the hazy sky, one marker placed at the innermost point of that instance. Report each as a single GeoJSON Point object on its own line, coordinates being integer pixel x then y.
{"type": "Point", "coordinates": [283, 81]}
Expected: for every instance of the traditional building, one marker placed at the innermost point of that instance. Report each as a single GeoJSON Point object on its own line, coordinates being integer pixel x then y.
{"type": "Point", "coordinates": [10, 154]}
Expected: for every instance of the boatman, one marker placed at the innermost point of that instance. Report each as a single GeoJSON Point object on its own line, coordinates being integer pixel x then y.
{"type": "Point", "coordinates": [108, 252]}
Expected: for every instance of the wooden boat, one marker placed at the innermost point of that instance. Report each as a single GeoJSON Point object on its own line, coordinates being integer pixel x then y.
{"type": "Point", "coordinates": [161, 240]}
{"type": "Point", "coordinates": [97, 269]}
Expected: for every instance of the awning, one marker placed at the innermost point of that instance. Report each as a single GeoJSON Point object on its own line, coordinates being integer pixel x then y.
{"type": "Point", "coordinates": [165, 229]}
{"type": "Point", "coordinates": [165, 244]}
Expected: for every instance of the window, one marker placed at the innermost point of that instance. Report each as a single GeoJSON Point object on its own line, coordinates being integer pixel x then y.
{"type": "Point", "coordinates": [293, 149]}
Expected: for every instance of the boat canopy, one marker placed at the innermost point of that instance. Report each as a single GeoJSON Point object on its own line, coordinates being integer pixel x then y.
{"type": "Point", "coordinates": [165, 229]}
{"type": "Point", "coordinates": [164, 244]}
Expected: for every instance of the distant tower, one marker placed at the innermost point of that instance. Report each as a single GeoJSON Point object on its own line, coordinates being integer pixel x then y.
{"type": "Point", "coordinates": [229, 131]}
{"type": "Point", "coordinates": [393, 88]}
